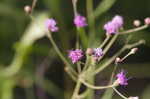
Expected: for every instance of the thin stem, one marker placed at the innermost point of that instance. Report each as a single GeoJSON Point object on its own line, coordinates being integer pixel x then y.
{"type": "Point", "coordinates": [91, 20]}
{"type": "Point", "coordinates": [96, 87]}
{"type": "Point", "coordinates": [133, 30]}
{"type": "Point", "coordinates": [74, 2]}
{"type": "Point", "coordinates": [110, 44]}
{"type": "Point", "coordinates": [59, 53]}
{"type": "Point", "coordinates": [77, 40]}
{"type": "Point", "coordinates": [122, 59]}
{"type": "Point", "coordinates": [82, 36]}
{"type": "Point", "coordinates": [105, 41]}
{"type": "Point", "coordinates": [79, 67]}
{"type": "Point", "coordinates": [73, 77]}
{"type": "Point", "coordinates": [121, 95]}
{"type": "Point", "coordinates": [33, 5]}
{"type": "Point", "coordinates": [113, 73]}
{"type": "Point", "coordinates": [76, 90]}
{"type": "Point", "coordinates": [87, 62]}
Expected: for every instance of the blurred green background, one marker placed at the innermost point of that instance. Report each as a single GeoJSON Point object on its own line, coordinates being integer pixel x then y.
{"type": "Point", "coordinates": [42, 75]}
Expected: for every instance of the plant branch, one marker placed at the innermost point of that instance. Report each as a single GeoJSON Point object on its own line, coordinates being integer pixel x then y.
{"type": "Point", "coordinates": [121, 95]}
{"type": "Point", "coordinates": [96, 87]}
{"type": "Point", "coordinates": [128, 46]}
{"type": "Point", "coordinates": [76, 90]}
{"type": "Point", "coordinates": [105, 41]}
{"type": "Point", "coordinates": [133, 30]}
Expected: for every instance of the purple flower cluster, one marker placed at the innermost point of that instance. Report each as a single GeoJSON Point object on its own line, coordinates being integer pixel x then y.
{"type": "Point", "coordinates": [121, 78]}
{"type": "Point", "coordinates": [114, 25]}
{"type": "Point", "coordinates": [80, 21]}
{"type": "Point", "coordinates": [51, 25]}
{"type": "Point", "coordinates": [75, 55]}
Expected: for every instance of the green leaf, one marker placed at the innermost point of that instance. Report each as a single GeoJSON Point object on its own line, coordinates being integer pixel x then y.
{"type": "Point", "coordinates": [104, 6]}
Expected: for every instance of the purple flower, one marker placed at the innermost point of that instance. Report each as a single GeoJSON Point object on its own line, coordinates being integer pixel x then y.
{"type": "Point", "coordinates": [114, 25]}
{"type": "Point", "coordinates": [121, 78]}
{"type": "Point", "coordinates": [98, 52]}
{"type": "Point", "coordinates": [80, 21]}
{"type": "Point", "coordinates": [118, 21]}
{"type": "Point", "coordinates": [51, 25]}
{"type": "Point", "coordinates": [110, 28]}
{"type": "Point", "coordinates": [75, 55]}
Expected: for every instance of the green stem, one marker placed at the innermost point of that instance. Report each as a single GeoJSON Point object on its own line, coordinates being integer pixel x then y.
{"type": "Point", "coordinates": [73, 77]}
{"type": "Point", "coordinates": [33, 5]}
{"type": "Point", "coordinates": [96, 87]}
{"type": "Point", "coordinates": [105, 41]}
{"type": "Point", "coordinates": [87, 62]}
{"type": "Point", "coordinates": [76, 90]}
{"type": "Point", "coordinates": [128, 46]}
{"type": "Point", "coordinates": [110, 43]}
{"type": "Point", "coordinates": [74, 2]}
{"type": "Point", "coordinates": [133, 30]}
{"type": "Point", "coordinates": [79, 67]}
{"type": "Point", "coordinates": [113, 73]}
{"type": "Point", "coordinates": [83, 37]}
{"type": "Point", "coordinates": [121, 95]}
{"type": "Point", "coordinates": [122, 59]}
{"type": "Point", "coordinates": [91, 20]}
{"type": "Point", "coordinates": [60, 54]}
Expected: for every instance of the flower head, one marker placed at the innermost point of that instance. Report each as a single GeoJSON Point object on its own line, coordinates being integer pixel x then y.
{"type": "Point", "coordinates": [133, 98]}
{"type": "Point", "coordinates": [114, 25]}
{"type": "Point", "coordinates": [110, 28]}
{"type": "Point", "coordinates": [121, 78]}
{"type": "Point", "coordinates": [80, 21]}
{"type": "Point", "coordinates": [98, 52]}
{"type": "Point", "coordinates": [75, 55]}
{"type": "Point", "coordinates": [147, 20]}
{"type": "Point", "coordinates": [118, 21]}
{"type": "Point", "coordinates": [51, 25]}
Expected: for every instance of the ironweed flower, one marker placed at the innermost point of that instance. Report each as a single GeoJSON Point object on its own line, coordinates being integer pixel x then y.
{"type": "Point", "coordinates": [51, 25]}
{"type": "Point", "coordinates": [121, 78]}
{"type": "Point", "coordinates": [80, 21]}
{"type": "Point", "coordinates": [118, 21]}
{"type": "Point", "coordinates": [114, 25]}
{"type": "Point", "coordinates": [98, 52]}
{"type": "Point", "coordinates": [75, 55]}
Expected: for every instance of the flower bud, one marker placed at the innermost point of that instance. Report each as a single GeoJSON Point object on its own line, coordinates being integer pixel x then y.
{"type": "Point", "coordinates": [133, 50]}
{"type": "Point", "coordinates": [147, 20]}
{"type": "Point", "coordinates": [117, 60]}
{"type": "Point", "coordinates": [136, 23]}
{"type": "Point", "coordinates": [27, 9]}
{"type": "Point", "coordinates": [66, 69]}
{"type": "Point", "coordinates": [89, 51]}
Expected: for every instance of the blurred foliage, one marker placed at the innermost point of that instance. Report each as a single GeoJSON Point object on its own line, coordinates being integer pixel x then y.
{"type": "Point", "coordinates": [52, 82]}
